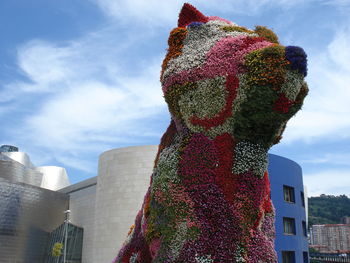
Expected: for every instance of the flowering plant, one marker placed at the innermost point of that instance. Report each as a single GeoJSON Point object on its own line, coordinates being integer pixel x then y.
{"type": "Point", "coordinates": [230, 92]}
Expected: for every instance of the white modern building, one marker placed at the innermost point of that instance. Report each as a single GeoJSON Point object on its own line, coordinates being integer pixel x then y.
{"type": "Point", "coordinates": [331, 238]}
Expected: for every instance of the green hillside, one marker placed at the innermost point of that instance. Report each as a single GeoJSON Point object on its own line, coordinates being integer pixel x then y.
{"type": "Point", "coordinates": [328, 209]}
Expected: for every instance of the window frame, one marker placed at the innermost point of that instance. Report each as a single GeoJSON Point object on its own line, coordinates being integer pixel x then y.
{"type": "Point", "coordinates": [290, 254]}
{"type": "Point", "coordinates": [290, 220]}
{"type": "Point", "coordinates": [305, 257]}
{"type": "Point", "coordinates": [289, 194]}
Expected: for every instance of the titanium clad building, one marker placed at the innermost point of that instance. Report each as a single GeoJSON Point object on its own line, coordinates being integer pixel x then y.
{"type": "Point", "coordinates": [28, 212]}
{"type": "Point", "coordinates": [27, 215]}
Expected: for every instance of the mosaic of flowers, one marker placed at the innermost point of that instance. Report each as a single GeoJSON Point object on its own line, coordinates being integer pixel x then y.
{"type": "Point", "coordinates": [230, 92]}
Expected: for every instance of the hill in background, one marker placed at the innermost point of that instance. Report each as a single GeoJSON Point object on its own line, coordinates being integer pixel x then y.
{"type": "Point", "coordinates": [328, 209]}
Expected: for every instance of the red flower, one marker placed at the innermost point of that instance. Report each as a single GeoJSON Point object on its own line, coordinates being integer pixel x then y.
{"type": "Point", "coordinates": [282, 104]}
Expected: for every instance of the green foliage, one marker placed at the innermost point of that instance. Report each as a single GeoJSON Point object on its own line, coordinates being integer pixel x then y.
{"type": "Point", "coordinates": [258, 120]}
{"type": "Point", "coordinates": [263, 31]}
{"type": "Point", "coordinates": [173, 95]}
{"type": "Point", "coordinates": [236, 29]}
{"type": "Point", "coordinates": [313, 250]}
{"type": "Point", "coordinates": [328, 209]}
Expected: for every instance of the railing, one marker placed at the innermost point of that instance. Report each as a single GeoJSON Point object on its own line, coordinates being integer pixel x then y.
{"type": "Point", "coordinates": [325, 258]}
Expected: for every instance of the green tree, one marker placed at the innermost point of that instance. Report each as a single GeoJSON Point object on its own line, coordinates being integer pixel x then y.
{"type": "Point", "coordinates": [328, 209]}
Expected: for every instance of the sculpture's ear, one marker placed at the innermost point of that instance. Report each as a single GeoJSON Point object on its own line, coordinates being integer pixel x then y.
{"type": "Point", "coordinates": [189, 14]}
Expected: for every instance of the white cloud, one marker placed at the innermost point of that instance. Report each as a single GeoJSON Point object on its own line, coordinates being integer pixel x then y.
{"type": "Point", "coordinates": [92, 112]}
{"type": "Point", "coordinates": [343, 5]}
{"type": "Point", "coordinates": [83, 108]}
{"type": "Point", "coordinates": [153, 12]}
{"type": "Point", "coordinates": [326, 111]}
{"type": "Point", "coordinates": [328, 182]}
{"type": "Point", "coordinates": [330, 159]}
{"type": "Point", "coordinates": [77, 163]}
{"type": "Point", "coordinates": [44, 63]}
{"type": "Point", "coordinates": [80, 99]}
{"type": "Point", "coordinates": [158, 13]}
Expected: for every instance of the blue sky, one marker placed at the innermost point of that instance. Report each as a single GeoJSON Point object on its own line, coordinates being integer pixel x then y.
{"type": "Point", "coordinates": [79, 77]}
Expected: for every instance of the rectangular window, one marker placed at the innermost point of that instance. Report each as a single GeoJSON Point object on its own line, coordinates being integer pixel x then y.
{"type": "Point", "coordinates": [304, 228]}
{"type": "Point", "coordinates": [288, 257]}
{"type": "Point", "coordinates": [302, 199]}
{"type": "Point", "coordinates": [289, 225]}
{"type": "Point", "coordinates": [306, 257]}
{"type": "Point", "coordinates": [288, 193]}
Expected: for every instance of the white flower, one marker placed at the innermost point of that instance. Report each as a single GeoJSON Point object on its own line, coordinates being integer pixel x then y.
{"type": "Point", "coordinates": [292, 85]}
{"type": "Point", "coordinates": [250, 157]}
{"type": "Point", "coordinates": [133, 258]}
{"type": "Point", "coordinates": [204, 259]}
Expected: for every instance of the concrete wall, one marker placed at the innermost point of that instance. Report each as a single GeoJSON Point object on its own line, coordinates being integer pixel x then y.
{"type": "Point", "coordinates": [123, 180]}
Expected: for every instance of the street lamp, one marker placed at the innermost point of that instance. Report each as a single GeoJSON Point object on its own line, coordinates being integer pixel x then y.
{"type": "Point", "coordinates": [67, 212]}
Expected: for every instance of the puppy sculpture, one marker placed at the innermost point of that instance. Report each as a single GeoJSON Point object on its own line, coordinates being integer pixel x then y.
{"type": "Point", "coordinates": [230, 92]}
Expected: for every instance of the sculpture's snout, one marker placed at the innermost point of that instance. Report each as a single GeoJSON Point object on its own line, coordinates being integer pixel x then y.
{"type": "Point", "coordinates": [297, 58]}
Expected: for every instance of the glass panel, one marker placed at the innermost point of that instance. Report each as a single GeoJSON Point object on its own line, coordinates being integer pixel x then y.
{"type": "Point", "coordinates": [288, 193]}
{"type": "Point", "coordinates": [74, 244]}
{"type": "Point", "coordinates": [288, 257]}
{"type": "Point", "coordinates": [289, 225]}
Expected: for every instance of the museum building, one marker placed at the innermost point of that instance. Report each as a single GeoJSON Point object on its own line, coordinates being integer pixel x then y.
{"type": "Point", "coordinates": [102, 208]}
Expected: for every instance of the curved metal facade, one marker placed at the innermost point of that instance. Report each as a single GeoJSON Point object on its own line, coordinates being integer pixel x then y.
{"type": "Point", "coordinates": [17, 167]}
{"type": "Point", "coordinates": [286, 179]}
{"type": "Point", "coordinates": [27, 215]}
{"type": "Point", "coordinates": [16, 172]}
{"type": "Point", "coordinates": [20, 157]}
{"type": "Point", "coordinates": [123, 180]}
{"type": "Point", "coordinates": [54, 177]}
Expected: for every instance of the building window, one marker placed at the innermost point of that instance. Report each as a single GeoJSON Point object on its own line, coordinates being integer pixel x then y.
{"type": "Point", "coordinates": [304, 228]}
{"type": "Point", "coordinates": [302, 199]}
{"type": "Point", "coordinates": [288, 257]}
{"type": "Point", "coordinates": [288, 193]}
{"type": "Point", "coordinates": [306, 257]}
{"type": "Point", "coordinates": [289, 226]}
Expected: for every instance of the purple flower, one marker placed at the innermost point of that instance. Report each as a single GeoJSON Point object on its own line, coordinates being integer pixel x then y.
{"type": "Point", "coordinates": [297, 58]}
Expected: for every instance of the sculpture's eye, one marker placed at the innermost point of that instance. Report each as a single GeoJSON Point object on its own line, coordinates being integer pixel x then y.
{"type": "Point", "coordinates": [195, 24]}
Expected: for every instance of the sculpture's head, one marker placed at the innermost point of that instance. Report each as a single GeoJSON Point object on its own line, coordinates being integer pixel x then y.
{"type": "Point", "coordinates": [218, 77]}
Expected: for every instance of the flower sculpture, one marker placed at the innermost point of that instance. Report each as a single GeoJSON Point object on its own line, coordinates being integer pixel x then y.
{"type": "Point", "coordinates": [230, 92]}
